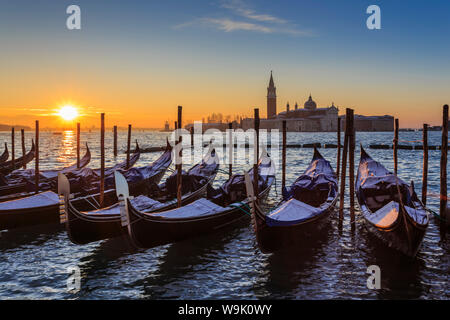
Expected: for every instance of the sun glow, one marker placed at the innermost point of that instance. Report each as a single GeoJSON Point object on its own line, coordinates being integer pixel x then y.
{"type": "Point", "coordinates": [68, 113]}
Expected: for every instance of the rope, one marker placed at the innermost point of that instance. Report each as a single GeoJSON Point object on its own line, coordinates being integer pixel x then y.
{"type": "Point", "coordinates": [435, 214]}
{"type": "Point", "coordinates": [239, 207]}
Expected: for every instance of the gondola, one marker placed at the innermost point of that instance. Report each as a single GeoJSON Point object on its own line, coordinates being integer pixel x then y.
{"type": "Point", "coordinates": [43, 207]}
{"type": "Point", "coordinates": [303, 212]}
{"type": "Point", "coordinates": [20, 181]}
{"type": "Point", "coordinates": [390, 208]}
{"type": "Point", "coordinates": [7, 166]}
{"type": "Point", "coordinates": [85, 180]}
{"type": "Point", "coordinates": [5, 154]}
{"type": "Point", "coordinates": [88, 226]}
{"type": "Point", "coordinates": [222, 208]}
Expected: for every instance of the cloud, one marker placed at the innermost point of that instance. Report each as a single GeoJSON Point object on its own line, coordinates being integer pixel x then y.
{"type": "Point", "coordinates": [238, 7]}
{"type": "Point", "coordinates": [255, 22]}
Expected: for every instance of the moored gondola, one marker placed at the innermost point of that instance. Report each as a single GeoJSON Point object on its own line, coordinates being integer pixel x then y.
{"type": "Point", "coordinates": [43, 208]}
{"type": "Point", "coordinates": [221, 209]}
{"type": "Point", "coordinates": [5, 154]}
{"type": "Point", "coordinates": [7, 167]}
{"type": "Point", "coordinates": [390, 208]}
{"type": "Point", "coordinates": [303, 212]}
{"type": "Point", "coordinates": [88, 226]}
{"type": "Point", "coordinates": [20, 181]}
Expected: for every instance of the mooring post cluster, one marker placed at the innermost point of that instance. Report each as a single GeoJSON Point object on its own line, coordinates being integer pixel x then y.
{"type": "Point", "coordinates": [349, 148]}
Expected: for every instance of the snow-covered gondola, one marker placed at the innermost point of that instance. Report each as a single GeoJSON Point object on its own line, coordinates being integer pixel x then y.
{"type": "Point", "coordinates": [391, 209]}
{"type": "Point", "coordinates": [222, 208]}
{"type": "Point", "coordinates": [88, 226]}
{"type": "Point", "coordinates": [304, 210]}
{"type": "Point", "coordinates": [7, 166]}
{"type": "Point", "coordinates": [31, 208]}
{"type": "Point", "coordinates": [20, 181]}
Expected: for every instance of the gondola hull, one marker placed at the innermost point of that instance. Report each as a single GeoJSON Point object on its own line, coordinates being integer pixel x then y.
{"type": "Point", "coordinates": [405, 237]}
{"type": "Point", "coordinates": [304, 211]}
{"type": "Point", "coordinates": [275, 238]}
{"type": "Point", "coordinates": [7, 167]}
{"type": "Point", "coordinates": [43, 214]}
{"type": "Point", "coordinates": [151, 232]}
{"type": "Point", "coordinates": [84, 228]}
{"type": "Point", "coordinates": [390, 208]}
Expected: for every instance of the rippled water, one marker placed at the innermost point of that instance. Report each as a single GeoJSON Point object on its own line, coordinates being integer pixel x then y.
{"type": "Point", "coordinates": [228, 264]}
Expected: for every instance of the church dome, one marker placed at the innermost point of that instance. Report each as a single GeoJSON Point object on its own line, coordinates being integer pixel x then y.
{"type": "Point", "coordinates": [310, 104]}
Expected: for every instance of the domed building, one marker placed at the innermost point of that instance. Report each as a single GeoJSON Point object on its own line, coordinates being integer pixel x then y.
{"type": "Point", "coordinates": [310, 118]}
{"type": "Point", "coordinates": [310, 104]}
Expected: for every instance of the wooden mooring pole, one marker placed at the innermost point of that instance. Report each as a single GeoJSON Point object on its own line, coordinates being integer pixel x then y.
{"type": "Point", "coordinates": [256, 156]}
{"type": "Point", "coordinates": [22, 136]}
{"type": "Point", "coordinates": [115, 141]}
{"type": "Point", "coordinates": [192, 136]}
{"type": "Point", "coordinates": [128, 146]}
{"type": "Point", "coordinates": [351, 166]}
{"type": "Point", "coordinates": [78, 145]}
{"type": "Point", "coordinates": [344, 168]}
{"type": "Point", "coordinates": [338, 146]}
{"type": "Point", "coordinates": [13, 150]}
{"type": "Point", "coordinates": [180, 154]}
{"type": "Point", "coordinates": [102, 160]}
{"type": "Point", "coordinates": [283, 158]}
{"type": "Point", "coordinates": [444, 151]}
{"type": "Point", "coordinates": [425, 164]}
{"type": "Point", "coordinates": [395, 147]}
{"type": "Point", "coordinates": [36, 157]}
{"type": "Point", "coordinates": [230, 149]}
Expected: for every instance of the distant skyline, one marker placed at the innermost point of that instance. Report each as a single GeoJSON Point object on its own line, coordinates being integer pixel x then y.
{"type": "Point", "coordinates": [138, 60]}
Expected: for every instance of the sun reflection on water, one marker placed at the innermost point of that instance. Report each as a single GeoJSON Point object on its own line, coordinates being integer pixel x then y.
{"type": "Point", "coordinates": [67, 150]}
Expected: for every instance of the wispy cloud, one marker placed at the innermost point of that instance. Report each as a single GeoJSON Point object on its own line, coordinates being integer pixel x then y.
{"type": "Point", "coordinates": [240, 8]}
{"type": "Point", "coordinates": [254, 22]}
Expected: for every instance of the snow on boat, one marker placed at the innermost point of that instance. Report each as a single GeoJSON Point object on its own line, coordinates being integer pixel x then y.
{"type": "Point", "coordinates": [391, 209]}
{"type": "Point", "coordinates": [304, 210]}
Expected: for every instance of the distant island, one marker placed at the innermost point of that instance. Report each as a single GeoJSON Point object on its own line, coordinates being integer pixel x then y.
{"type": "Point", "coordinates": [5, 127]}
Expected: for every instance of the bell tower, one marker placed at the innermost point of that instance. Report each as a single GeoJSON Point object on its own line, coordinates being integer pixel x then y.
{"type": "Point", "coordinates": [271, 99]}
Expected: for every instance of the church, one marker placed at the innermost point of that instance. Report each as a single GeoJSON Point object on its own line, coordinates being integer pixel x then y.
{"type": "Point", "coordinates": [310, 118]}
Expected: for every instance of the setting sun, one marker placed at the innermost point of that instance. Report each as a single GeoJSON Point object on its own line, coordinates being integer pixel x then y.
{"type": "Point", "coordinates": [68, 113]}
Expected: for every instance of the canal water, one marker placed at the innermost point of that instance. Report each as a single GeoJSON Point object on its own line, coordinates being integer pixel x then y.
{"type": "Point", "coordinates": [34, 262]}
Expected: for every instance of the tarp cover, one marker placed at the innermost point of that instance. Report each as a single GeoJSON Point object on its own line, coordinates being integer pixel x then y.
{"type": "Point", "coordinates": [291, 212]}
{"type": "Point", "coordinates": [194, 178]}
{"type": "Point", "coordinates": [197, 208]}
{"type": "Point", "coordinates": [234, 190]}
{"type": "Point", "coordinates": [373, 179]}
{"type": "Point", "coordinates": [42, 199]}
{"type": "Point", "coordinates": [318, 176]}
{"type": "Point", "coordinates": [141, 203]}
{"type": "Point", "coordinates": [318, 180]}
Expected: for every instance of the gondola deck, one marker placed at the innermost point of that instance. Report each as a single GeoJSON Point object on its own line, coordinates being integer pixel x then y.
{"type": "Point", "coordinates": [305, 209]}
{"type": "Point", "coordinates": [390, 208]}
{"type": "Point", "coordinates": [88, 226]}
{"type": "Point", "coordinates": [198, 218]}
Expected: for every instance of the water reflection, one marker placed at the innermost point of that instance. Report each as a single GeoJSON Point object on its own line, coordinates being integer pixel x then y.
{"type": "Point", "coordinates": [67, 150]}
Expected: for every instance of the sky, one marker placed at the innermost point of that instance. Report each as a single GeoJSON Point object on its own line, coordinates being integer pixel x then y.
{"type": "Point", "coordinates": [138, 60]}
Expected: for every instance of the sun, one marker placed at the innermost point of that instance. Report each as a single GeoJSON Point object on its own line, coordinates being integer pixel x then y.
{"type": "Point", "coordinates": [68, 113]}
